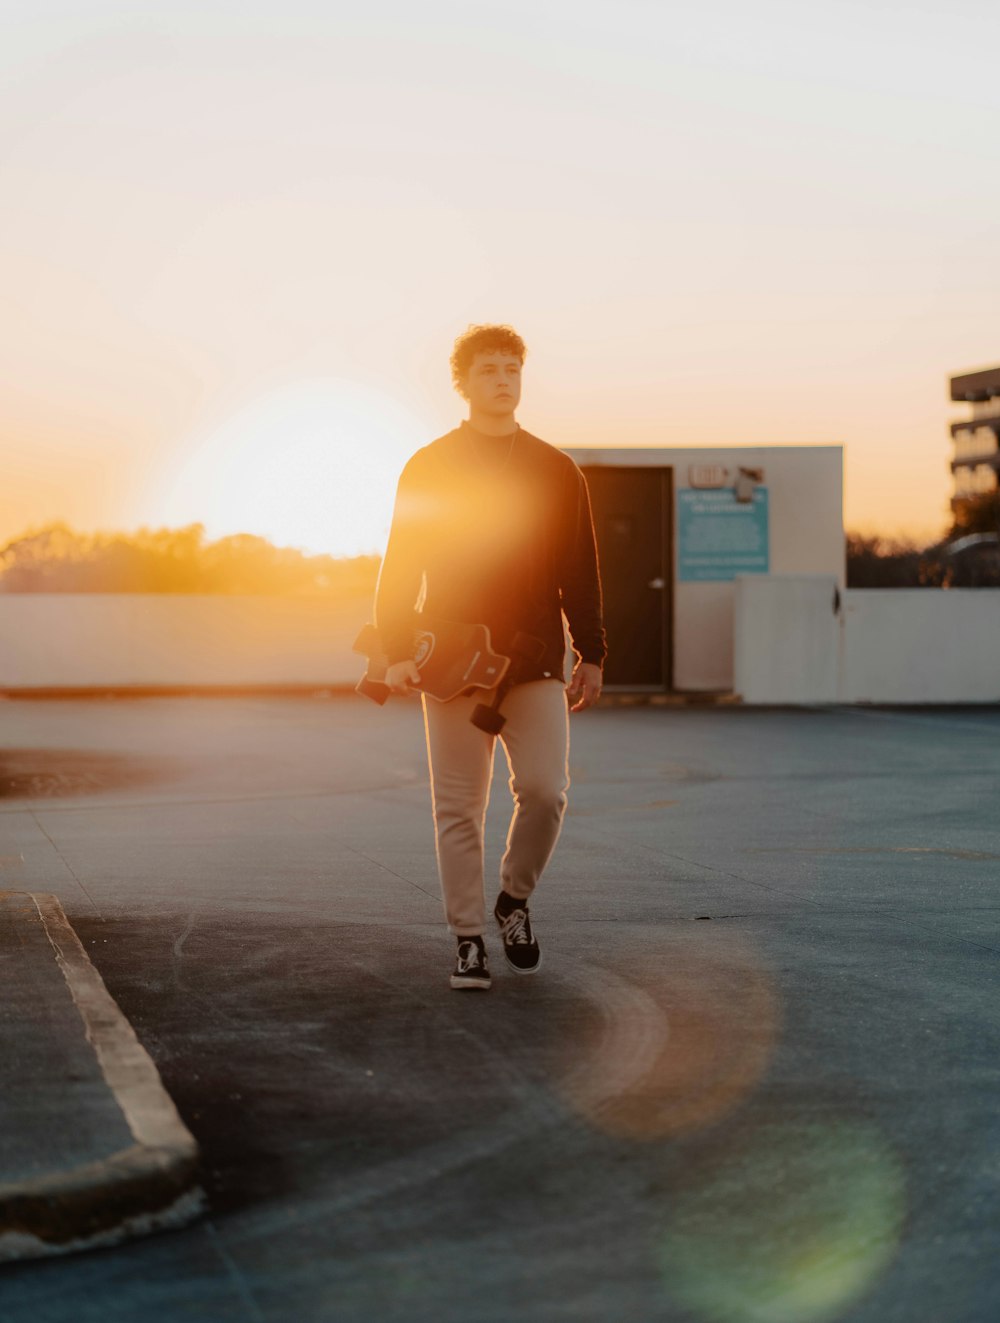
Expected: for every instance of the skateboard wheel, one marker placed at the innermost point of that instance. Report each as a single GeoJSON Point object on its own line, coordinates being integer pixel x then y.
{"type": "Point", "coordinates": [488, 719]}
{"type": "Point", "coordinates": [378, 693]}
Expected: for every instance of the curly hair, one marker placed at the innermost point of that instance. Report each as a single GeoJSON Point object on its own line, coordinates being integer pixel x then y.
{"type": "Point", "coordinates": [489, 339]}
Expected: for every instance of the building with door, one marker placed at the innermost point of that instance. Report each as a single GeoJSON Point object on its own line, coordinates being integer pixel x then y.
{"type": "Point", "coordinates": [676, 527]}
{"type": "Point", "coordinates": [975, 463]}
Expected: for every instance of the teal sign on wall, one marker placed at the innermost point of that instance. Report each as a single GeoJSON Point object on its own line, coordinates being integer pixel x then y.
{"type": "Point", "coordinates": [719, 537]}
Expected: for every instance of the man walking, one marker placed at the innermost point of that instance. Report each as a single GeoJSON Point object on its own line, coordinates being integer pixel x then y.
{"type": "Point", "coordinates": [493, 526]}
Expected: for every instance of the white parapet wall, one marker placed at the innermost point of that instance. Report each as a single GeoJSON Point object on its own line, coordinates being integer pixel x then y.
{"type": "Point", "coordinates": [138, 640]}
{"type": "Point", "coordinates": [921, 645]}
{"type": "Point", "coordinates": [799, 639]}
{"type": "Point", "coordinates": [786, 638]}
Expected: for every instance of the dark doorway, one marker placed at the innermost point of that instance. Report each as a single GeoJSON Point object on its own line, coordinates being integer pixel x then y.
{"type": "Point", "coordinates": [632, 520]}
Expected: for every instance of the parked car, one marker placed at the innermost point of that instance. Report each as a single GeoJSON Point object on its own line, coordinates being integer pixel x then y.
{"type": "Point", "coordinates": [972, 561]}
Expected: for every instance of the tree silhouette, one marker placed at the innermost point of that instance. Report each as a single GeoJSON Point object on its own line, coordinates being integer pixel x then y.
{"type": "Point", "coordinates": [56, 559]}
{"type": "Point", "coordinates": [976, 514]}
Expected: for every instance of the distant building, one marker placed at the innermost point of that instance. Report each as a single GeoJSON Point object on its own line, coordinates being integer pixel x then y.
{"type": "Point", "coordinates": [975, 463]}
{"type": "Point", "coordinates": [679, 527]}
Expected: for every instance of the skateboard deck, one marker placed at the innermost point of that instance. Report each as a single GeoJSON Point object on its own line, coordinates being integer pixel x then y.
{"type": "Point", "coordinates": [450, 656]}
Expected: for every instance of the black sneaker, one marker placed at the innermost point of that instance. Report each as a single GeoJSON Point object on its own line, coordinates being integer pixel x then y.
{"type": "Point", "coordinates": [519, 946]}
{"type": "Point", "coordinates": [471, 969]}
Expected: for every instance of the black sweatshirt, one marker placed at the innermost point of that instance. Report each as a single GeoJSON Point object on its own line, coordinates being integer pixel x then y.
{"type": "Point", "coordinates": [497, 531]}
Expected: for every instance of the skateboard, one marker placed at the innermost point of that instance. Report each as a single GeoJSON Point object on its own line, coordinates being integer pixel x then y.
{"type": "Point", "coordinates": [452, 657]}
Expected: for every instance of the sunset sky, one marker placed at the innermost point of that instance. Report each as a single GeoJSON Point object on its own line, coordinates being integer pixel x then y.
{"type": "Point", "coordinates": [238, 241]}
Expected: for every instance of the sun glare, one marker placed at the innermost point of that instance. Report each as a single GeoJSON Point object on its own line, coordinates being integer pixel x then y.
{"type": "Point", "coordinates": [311, 465]}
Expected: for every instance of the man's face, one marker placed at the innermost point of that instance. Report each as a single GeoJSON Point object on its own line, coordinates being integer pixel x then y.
{"type": "Point", "coordinates": [493, 383]}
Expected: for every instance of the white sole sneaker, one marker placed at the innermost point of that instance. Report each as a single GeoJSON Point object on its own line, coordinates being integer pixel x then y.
{"type": "Point", "coordinates": [517, 970]}
{"type": "Point", "coordinates": [458, 982]}
{"type": "Point", "coordinates": [471, 972]}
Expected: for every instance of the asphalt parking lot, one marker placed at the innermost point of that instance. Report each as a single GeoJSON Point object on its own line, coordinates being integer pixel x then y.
{"type": "Point", "coordinates": [755, 1081]}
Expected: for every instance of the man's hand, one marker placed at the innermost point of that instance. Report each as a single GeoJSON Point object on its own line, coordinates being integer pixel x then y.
{"type": "Point", "coordinates": [402, 676]}
{"type": "Point", "coordinates": [585, 686]}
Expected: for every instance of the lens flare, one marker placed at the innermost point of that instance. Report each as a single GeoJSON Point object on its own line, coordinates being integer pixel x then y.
{"type": "Point", "coordinates": [675, 1045]}
{"type": "Point", "coordinates": [790, 1225]}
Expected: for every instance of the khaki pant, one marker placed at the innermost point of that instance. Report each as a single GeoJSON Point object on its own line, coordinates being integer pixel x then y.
{"type": "Point", "coordinates": [536, 741]}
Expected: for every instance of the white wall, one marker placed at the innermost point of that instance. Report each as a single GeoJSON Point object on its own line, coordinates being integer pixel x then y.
{"type": "Point", "coordinates": [806, 530]}
{"type": "Point", "coordinates": [887, 645]}
{"type": "Point", "coordinates": [922, 645]}
{"type": "Point", "coordinates": [81, 640]}
{"type": "Point", "coordinates": [787, 639]}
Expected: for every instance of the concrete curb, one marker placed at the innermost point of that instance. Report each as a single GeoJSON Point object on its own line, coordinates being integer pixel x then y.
{"type": "Point", "coordinates": [148, 1186]}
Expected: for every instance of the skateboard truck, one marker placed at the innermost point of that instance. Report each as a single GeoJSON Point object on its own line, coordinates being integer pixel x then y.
{"type": "Point", "coordinates": [487, 716]}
